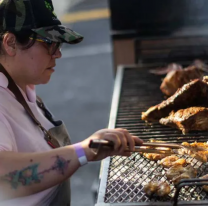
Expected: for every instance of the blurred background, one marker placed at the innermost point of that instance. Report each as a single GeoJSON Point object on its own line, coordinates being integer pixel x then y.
{"type": "Point", "coordinates": [81, 88]}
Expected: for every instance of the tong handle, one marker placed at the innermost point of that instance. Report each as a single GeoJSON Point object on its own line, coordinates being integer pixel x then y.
{"type": "Point", "coordinates": [158, 144]}
{"type": "Point", "coordinates": [97, 143]}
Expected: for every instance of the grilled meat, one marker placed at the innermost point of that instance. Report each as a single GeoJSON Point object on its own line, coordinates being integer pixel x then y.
{"type": "Point", "coordinates": [192, 118]}
{"type": "Point", "coordinates": [154, 156]}
{"type": "Point", "coordinates": [157, 188]}
{"type": "Point", "coordinates": [192, 94]}
{"type": "Point", "coordinates": [172, 160]}
{"type": "Point", "coordinates": [197, 150]}
{"type": "Point", "coordinates": [205, 187]}
{"type": "Point", "coordinates": [150, 188]}
{"type": "Point", "coordinates": [195, 146]}
{"type": "Point", "coordinates": [174, 171]}
{"type": "Point", "coordinates": [178, 172]}
{"type": "Point", "coordinates": [177, 78]}
{"type": "Point", "coordinates": [163, 189]}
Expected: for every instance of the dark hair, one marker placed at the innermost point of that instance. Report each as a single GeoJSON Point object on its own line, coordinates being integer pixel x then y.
{"type": "Point", "coordinates": [21, 37]}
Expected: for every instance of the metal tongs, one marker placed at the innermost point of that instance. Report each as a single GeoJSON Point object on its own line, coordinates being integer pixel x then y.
{"type": "Point", "coordinates": [146, 147]}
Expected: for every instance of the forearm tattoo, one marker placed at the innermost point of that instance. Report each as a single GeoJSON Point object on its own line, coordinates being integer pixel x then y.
{"type": "Point", "coordinates": [30, 174]}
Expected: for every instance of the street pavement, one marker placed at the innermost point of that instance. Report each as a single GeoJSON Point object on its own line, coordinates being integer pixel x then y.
{"type": "Point", "coordinates": [80, 91]}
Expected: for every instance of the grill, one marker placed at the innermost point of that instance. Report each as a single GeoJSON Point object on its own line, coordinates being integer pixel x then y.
{"type": "Point", "coordinates": [123, 178]}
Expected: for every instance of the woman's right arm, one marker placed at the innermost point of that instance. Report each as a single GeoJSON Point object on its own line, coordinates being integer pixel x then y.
{"type": "Point", "coordinates": [23, 174]}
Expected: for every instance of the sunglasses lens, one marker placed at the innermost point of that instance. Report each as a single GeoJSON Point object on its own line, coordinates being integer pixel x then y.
{"type": "Point", "coordinates": [54, 47]}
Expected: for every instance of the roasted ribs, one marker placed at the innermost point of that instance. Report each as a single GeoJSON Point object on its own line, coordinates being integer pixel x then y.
{"type": "Point", "coordinates": [195, 93]}
{"type": "Point", "coordinates": [177, 78]}
{"type": "Point", "coordinates": [190, 119]}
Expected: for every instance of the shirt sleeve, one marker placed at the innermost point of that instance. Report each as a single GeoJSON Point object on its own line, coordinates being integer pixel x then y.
{"type": "Point", "coordinates": [7, 138]}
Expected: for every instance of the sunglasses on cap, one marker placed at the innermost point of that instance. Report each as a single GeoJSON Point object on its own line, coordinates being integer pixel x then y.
{"type": "Point", "coordinates": [52, 46]}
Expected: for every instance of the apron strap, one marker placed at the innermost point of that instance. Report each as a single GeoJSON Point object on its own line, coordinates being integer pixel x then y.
{"type": "Point", "coordinates": [15, 90]}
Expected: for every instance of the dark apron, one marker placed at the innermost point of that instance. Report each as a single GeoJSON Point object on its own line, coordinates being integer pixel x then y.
{"type": "Point", "coordinates": [63, 196]}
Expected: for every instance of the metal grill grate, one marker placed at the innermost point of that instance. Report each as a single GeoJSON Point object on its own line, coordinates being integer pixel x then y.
{"type": "Point", "coordinates": [127, 176]}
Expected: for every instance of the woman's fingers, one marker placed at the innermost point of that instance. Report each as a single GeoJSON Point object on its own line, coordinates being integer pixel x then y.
{"type": "Point", "coordinates": [122, 138]}
{"type": "Point", "coordinates": [115, 139]}
{"type": "Point", "coordinates": [129, 138]}
{"type": "Point", "coordinates": [137, 140]}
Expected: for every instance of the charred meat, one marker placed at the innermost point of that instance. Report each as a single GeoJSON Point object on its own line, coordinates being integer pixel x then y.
{"type": "Point", "coordinates": [192, 118]}
{"type": "Point", "coordinates": [177, 78]}
{"type": "Point", "coordinates": [157, 188]}
{"type": "Point", "coordinates": [194, 93]}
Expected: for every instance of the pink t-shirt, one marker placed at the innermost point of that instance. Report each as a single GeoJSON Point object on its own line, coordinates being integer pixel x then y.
{"type": "Point", "coordinates": [20, 134]}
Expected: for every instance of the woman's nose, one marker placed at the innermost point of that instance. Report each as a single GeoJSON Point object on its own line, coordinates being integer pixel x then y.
{"type": "Point", "coordinates": [57, 54]}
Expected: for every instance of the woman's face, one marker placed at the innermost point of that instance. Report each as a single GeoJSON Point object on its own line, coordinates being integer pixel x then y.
{"type": "Point", "coordinates": [36, 64]}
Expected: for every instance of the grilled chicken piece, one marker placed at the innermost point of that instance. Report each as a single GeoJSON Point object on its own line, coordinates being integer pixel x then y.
{"type": "Point", "coordinates": [191, 94]}
{"type": "Point", "coordinates": [157, 188]}
{"type": "Point", "coordinates": [177, 78]}
{"type": "Point", "coordinates": [174, 171]}
{"type": "Point", "coordinates": [178, 172]}
{"type": "Point", "coordinates": [196, 146]}
{"type": "Point", "coordinates": [205, 187]}
{"type": "Point", "coordinates": [197, 150]}
{"type": "Point", "coordinates": [192, 118]}
{"type": "Point", "coordinates": [154, 156]}
{"type": "Point", "coordinates": [171, 161]}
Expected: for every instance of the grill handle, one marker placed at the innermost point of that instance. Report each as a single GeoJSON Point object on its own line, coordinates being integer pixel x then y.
{"type": "Point", "coordinates": [187, 182]}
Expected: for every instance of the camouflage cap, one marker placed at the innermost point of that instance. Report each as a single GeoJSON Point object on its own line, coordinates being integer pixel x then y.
{"type": "Point", "coordinates": [35, 15]}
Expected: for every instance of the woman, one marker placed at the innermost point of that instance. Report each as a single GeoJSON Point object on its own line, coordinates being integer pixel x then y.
{"type": "Point", "coordinates": [34, 168]}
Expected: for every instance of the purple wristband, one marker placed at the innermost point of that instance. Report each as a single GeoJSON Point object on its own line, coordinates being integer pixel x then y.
{"type": "Point", "coordinates": [80, 154]}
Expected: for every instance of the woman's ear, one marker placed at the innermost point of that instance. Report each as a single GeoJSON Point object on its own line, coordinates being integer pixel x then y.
{"type": "Point", "coordinates": [9, 44]}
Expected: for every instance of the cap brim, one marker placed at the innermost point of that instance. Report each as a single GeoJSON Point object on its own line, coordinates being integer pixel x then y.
{"type": "Point", "coordinates": [59, 33]}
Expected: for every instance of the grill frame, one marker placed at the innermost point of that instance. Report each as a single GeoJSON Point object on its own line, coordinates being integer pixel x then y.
{"type": "Point", "coordinates": [111, 125]}
{"type": "Point", "coordinates": [106, 163]}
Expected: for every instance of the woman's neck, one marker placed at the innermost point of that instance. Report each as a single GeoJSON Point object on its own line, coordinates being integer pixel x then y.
{"type": "Point", "coordinates": [16, 78]}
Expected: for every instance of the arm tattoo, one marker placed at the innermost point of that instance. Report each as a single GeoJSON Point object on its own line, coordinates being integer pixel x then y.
{"type": "Point", "coordinates": [30, 174]}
